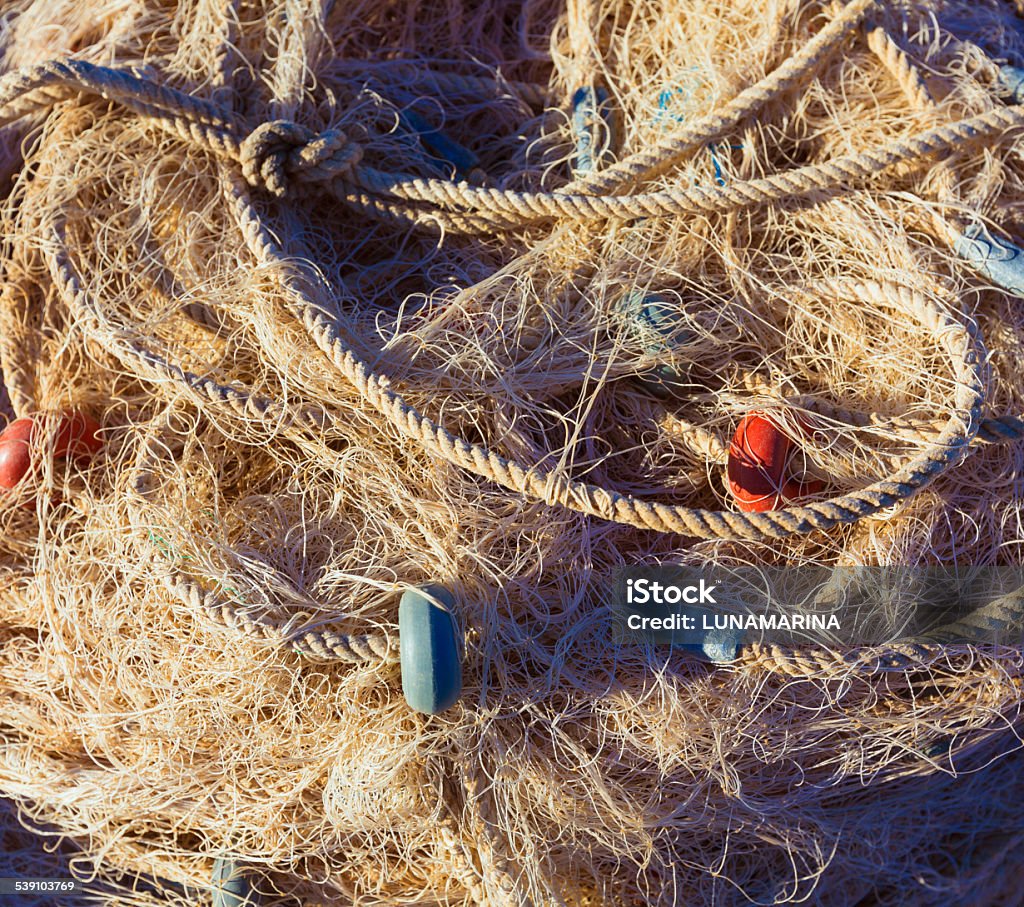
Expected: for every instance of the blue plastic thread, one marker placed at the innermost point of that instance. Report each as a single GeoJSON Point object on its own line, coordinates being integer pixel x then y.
{"type": "Point", "coordinates": [719, 178]}
{"type": "Point", "coordinates": [665, 98]}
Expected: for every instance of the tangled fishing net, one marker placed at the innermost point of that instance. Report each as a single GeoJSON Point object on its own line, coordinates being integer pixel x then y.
{"type": "Point", "coordinates": [344, 286]}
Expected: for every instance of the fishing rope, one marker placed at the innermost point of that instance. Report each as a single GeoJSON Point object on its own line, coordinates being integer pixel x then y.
{"type": "Point", "coordinates": [585, 498]}
{"type": "Point", "coordinates": [570, 763]}
{"type": "Point", "coordinates": [282, 157]}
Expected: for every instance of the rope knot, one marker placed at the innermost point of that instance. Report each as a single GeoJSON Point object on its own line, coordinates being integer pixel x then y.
{"type": "Point", "coordinates": [278, 152]}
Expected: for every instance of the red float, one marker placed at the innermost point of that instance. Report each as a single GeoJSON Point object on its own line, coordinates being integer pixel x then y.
{"type": "Point", "coordinates": [759, 465]}
{"type": "Point", "coordinates": [76, 438]}
{"type": "Point", "coordinates": [15, 459]}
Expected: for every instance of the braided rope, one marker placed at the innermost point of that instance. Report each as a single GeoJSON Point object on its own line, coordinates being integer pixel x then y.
{"type": "Point", "coordinates": [204, 124]}
{"type": "Point", "coordinates": [17, 348]}
{"type": "Point", "coordinates": [1002, 615]}
{"type": "Point", "coordinates": [651, 163]}
{"type": "Point", "coordinates": [901, 67]}
{"type": "Point", "coordinates": [502, 889]}
{"type": "Point", "coordinates": [425, 218]}
{"type": "Point", "coordinates": [270, 155]}
{"type": "Point", "coordinates": [588, 499]}
{"type": "Point", "coordinates": [458, 851]}
{"type": "Point", "coordinates": [908, 76]}
{"type": "Point", "coordinates": [277, 152]}
{"type": "Point", "coordinates": [124, 345]}
{"type": "Point", "coordinates": [701, 441]}
{"type": "Point", "coordinates": [992, 430]}
{"type": "Point", "coordinates": [841, 172]}
{"type": "Point", "coordinates": [319, 643]}
{"type": "Point", "coordinates": [949, 448]}
{"type": "Point", "coordinates": [803, 661]}
{"type": "Point", "coordinates": [224, 58]}
{"type": "Point", "coordinates": [190, 118]}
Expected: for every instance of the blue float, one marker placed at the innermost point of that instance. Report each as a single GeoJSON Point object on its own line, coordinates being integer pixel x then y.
{"type": "Point", "coordinates": [438, 144]}
{"type": "Point", "coordinates": [655, 320]}
{"type": "Point", "coordinates": [592, 126]}
{"type": "Point", "coordinates": [231, 885]}
{"type": "Point", "coordinates": [656, 323]}
{"type": "Point", "coordinates": [1011, 81]}
{"type": "Point", "coordinates": [718, 646]}
{"type": "Point", "coordinates": [997, 259]}
{"type": "Point", "coordinates": [429, 650]}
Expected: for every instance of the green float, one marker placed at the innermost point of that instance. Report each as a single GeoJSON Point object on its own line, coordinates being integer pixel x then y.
{"type": "Point", "coordinates": [429, 650]}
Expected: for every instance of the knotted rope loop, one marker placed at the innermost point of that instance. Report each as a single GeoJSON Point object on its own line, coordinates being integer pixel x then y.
{"type": "Point", "coordinates": [277, 153]}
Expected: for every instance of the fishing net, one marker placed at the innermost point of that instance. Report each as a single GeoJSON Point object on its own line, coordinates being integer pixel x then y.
{"type": "Point", "coordinates": [359, 294]}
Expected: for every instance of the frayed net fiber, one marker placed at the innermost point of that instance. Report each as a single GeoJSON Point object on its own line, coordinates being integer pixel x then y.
{"type": "Point", "coordinates": [343, 284]}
